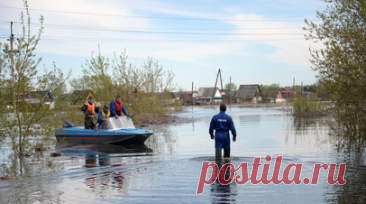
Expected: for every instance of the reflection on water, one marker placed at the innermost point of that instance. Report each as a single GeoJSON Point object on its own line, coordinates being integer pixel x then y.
{"type": "Point", "coordinates": [98, 180]}
{"type": "Point", "coordinates": [355, 189]}
{"type": "Point", "coordinates": [223, 193]}
{"type": "Point", "coordinates": [252, 120]}
{"type": "Point", "coordinates": [167, 167]}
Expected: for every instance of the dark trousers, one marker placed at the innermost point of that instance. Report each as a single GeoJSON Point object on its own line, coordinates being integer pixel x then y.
{"type": "Point", "coordinates": [91, 121]}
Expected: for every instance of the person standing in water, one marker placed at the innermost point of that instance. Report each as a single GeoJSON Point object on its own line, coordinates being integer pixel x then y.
{"type": "Point", "coordinates": [222, 123]}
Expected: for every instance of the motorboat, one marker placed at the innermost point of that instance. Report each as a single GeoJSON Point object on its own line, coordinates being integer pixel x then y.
{"type": "Point", "coordinates": [114, 130]}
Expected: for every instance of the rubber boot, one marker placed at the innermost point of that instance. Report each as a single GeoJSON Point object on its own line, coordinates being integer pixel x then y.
{"type": "Point", "coordinates": [218, 153]}
{"type": "Point", "coordinates": [227, 153]}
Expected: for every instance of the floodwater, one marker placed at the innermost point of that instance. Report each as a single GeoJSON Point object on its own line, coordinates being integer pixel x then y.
{"type": "Point", "coordinates": [167, 168]}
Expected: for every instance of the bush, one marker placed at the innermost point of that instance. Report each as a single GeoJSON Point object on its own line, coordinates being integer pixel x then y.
{"type": "Point", "coordinates": [307, 106]}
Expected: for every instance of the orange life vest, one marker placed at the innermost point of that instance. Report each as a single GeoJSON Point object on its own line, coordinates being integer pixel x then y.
{"type": "Point", "coordinates": [91, 108]}
{"type": "Point", "coordinates": [118, 108]}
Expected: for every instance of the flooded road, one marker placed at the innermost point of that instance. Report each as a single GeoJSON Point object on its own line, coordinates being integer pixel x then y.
{"type": "Point", "coordinates": [167, 168]}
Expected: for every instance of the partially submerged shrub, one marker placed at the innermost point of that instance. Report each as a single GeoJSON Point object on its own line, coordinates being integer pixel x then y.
{"type": "Point", "coordinates": [307, 106]}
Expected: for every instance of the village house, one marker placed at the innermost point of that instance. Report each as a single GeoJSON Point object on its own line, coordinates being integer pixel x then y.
{"type": "Point", "coordinates": [287, 93]}
{"type": "Point", "coordinates": [187, 97]}
{"type": "Point", "coordinates": [273, 96]}
{"type": "Point", "coordinates": [250, 93]}
{"type": "Point", "coordinates": [205, 95]}
{"type": "Point", "coordinates": [36, 97]}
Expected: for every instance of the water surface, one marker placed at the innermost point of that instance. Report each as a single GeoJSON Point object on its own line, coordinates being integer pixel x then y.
{"type": "Point", "coordinates": [166, 169]}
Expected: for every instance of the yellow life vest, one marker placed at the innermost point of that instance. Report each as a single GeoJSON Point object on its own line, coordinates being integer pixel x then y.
{"type": "Point", "coordinates": [106, 116]}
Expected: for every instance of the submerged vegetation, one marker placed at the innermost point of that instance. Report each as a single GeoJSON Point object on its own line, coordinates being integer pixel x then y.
{"type": "Point", "coordinates": [144, 90]}
{"type": "Point", "coordinates": [341, 62]}
{"type": "Point", "coordinates": [20, 121]}
{"type": "Point", "coordinates": [307, 106]}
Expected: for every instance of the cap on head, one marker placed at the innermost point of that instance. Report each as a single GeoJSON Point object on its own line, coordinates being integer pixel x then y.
{"type": "Point", "coordinates": [105, 106]}
{"type": "Point", "coordinates": [223, 107]}
{"type": "Point", "coordinates": [90, 98]}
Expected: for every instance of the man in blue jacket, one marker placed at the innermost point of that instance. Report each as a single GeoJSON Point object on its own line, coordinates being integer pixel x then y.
{"type": "Point", "coordinates": [222, 123]}
{"type": "Point", "coordinates": [117, 108]}
{"type": "Point", "coordinates": [103, 114]}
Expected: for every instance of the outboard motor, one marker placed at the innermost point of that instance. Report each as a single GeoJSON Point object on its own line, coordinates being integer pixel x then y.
{"type": "Point", "coordinates": [68, 124]}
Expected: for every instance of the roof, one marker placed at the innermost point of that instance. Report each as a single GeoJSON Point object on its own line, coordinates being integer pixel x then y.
{"type": "Point", "coordinates": [271, 93]}
{"type": "Point", "coordinates": [249, 91]}
{"type": "Point", "coordinates": [287, 91]}
{"type": "Point", "coordinates": [207, 92]}
{"type": "Point", "coordinates": [35, 94]}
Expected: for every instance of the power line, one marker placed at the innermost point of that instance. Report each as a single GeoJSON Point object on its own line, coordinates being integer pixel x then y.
{"type": "Point", "coordinates": [60, 26]}
{"type": "Point", "coordinates": [151, 17]}
{"type": "Point", "coordinates": [155, 41]}
{"type": "Point", "coordinates": [176, 32]}
{"type": "Point", "coordinates": [214, 34]}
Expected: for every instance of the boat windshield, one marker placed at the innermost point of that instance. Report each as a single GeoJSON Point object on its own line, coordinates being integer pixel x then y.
{"type": "Point", "coordinates": [122, 122]}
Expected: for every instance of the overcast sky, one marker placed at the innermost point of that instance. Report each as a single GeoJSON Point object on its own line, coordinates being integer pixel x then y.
{"type": "Point", "coordinates": [254, 42]}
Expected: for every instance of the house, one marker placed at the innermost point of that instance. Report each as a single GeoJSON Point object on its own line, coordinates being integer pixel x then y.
{"type": "Point", "coordinates": [273, 96]}
{"type": "Point", "coordinates": [187, 97]}
{"type": "Point", "coordinates": [205, 95]}
{"type": "Point", "coordinates": [34, 97]}
{"type": "Point", "coordinates": [287, 93]}
{"type": "Point", "coordinates": [250, 93]}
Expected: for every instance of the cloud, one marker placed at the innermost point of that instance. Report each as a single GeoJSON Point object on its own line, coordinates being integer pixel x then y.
{"type": "Point", "coordinates": [83, 33]}
{"type": "Point", "coordinates": [285, 37]}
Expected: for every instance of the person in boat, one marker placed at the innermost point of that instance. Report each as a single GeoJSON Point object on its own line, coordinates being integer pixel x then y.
{"type": "Point", "coordinates": [222, 123]}
{"type": "Point", "coordinates": [103, 114]}
{"type": "Point", "coordinates": [91, 111]}
{"type": "Point", "coordinates": [117, 108]}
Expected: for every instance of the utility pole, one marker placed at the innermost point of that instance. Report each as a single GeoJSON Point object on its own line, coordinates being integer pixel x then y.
{"type": "Point", "coordinates": [293, 85]}
{"type": "Point", "coordinates": [11, 49]}
{"type": "Point", "coordinates": [12, 64]}
{"type": "Point", "coordinates": [229, 91]}
{"type": "Point", "coordinates": [192, 93]}
{"type": "Point", "coordinates": [301, 87]}
{"type": "Point", "coordinates": [214, 90]}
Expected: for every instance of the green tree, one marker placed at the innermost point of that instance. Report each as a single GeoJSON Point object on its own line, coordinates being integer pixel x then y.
{"type": "Point", "coordinates": [79, 83]}
{"type": "Point", "coordinates": [98, 79]}
{"type": "Point", "coordinates": [21, 122]}
{"type": "Point", "coordinates": [231, 86]}
{"type": "Point", "coordinates": [341, 60]}
{"type": "Point", "coordinates": [145, 90]}
{"type": "Point", "coordinates": [273, 86]}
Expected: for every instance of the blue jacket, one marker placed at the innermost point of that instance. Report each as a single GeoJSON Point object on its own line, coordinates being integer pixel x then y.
{"type": "Point", "coordinates": [222, 122]}
{"type": "Point", "coordinates": [100, 116]}
{"type": "Point", "coordinates": [113, 109]}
